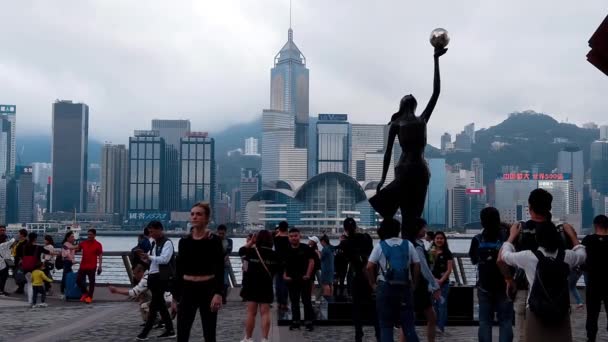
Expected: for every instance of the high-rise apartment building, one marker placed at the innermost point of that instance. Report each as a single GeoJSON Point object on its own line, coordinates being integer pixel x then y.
{"type": "Point", "coordinates": [570, 160]}
{"type": "Point", "coordinates": [289, 88]}
{"type": "Point", "coordinates": [456, 199]}
{"type": "Point", "coordinates": [332, 143]}
{"type": "Point", "coordinates": [20, 196]}
{"type": "Point", "coordinates": [280, 159]}
{"type": "Point", "coordinates": [435, 205]}
{"type": "Point", "coordinates": [251, 147]}
{"type": "Point", "coordinates": [249, 186]}
{"type": "Point", "coordinates": [69, 156]}
{"type": "Point", "coordinates": [197, 158]}
{"type": "Point", "coordinates": [41, 173]}
{"type": "Point", "coordinates": [114, 179]}
{"type": "Point", "coordinates": [147, 167]}
{"type": "Point", "coordinates": [365, 139]}
{"type": "Point", "coordinates": [599, 166]}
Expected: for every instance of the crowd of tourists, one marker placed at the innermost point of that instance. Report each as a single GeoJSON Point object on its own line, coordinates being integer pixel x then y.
{"type": "Point", "coordinates": [33, 266]}
{"type": "Point", "coordinates": [526, 274]}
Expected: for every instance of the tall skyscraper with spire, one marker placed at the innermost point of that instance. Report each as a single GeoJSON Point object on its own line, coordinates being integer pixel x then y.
{"type": "Point", "coordinates": [289, 87]}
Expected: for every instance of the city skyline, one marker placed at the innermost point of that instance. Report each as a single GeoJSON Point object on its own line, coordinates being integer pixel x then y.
{"type": "Point", "coordinates": [347, 75]}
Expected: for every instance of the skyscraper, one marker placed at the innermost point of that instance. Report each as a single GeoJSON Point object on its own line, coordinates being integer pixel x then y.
{"type": "Point", "coordinates": [446, 139]}
{"type": "Point", "coordinates": [197, 170]}
{"type": "Point", "coordinates": [332, 143]}
{"type": "Point", "coordinates": [469, 130]}
{"type": "Point", "coordinates": [604, 132]}
{"type": "Point", "coordinates": [69, 156]}
{"type": "Point", "coordinates": [147, 162]}
{"type": "Point", "coordinates": [280, 159]}
{"type": "Point", "coordinates": [434, 208]}
{"type": "Point", "coordinates": [250, 185]}
{"type": "Point", "coordinates": [289, 88]}
{"type": "Point", "coordinates": [477, 168]}
{"type": "Point", "coordinates": [251, 147]}
{"type": "Point", "coordinates": [570, 160]}
{"type": "Point", "coordinates": [599, 166]}
{"type": "Point", "coordinates": [171, 130]}
{"type": "Point", "coordinates": [364, 139]}
{"type": "Point", "coordinates": [8, 115]}
{"type": "Point", "coordinates": [114, 181]}
{"type": "Point", "coordinates": [7, 155]}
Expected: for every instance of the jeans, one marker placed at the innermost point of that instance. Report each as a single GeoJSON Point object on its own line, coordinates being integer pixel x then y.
{"type": "Point", "coordinates": [395, 304]}
{"type": "Point", "coordinates": [67, 268]}
{"type": "Point", "coordinates": [80, 279]}
{"type": "Point", "coordinates": [595, 297]}
{"type": "Point", "coordinates": [197, 296]}
{"type": "Point", "coordinates": [362, 302]}
{"type": "Point", "coordinates": [299, 288]}
{"type": "Point", "coordinates": [572, 280]}
{"type": "Point", "coordinates": [3, 278]}
{"type": "Point", "coordinates": [281, 289]}
{"type": "Point", "coordinates": [158, 304]}
{"type": "Point", "coordinates": [441, 308]}
{"type": "Point", "coordinates": [38, 290]}
{"type": "Point", "coordinates": [488, 304]}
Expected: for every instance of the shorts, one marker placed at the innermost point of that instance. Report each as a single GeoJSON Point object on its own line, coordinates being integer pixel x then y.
{"type": "Point", "coordinates": [422, 299]}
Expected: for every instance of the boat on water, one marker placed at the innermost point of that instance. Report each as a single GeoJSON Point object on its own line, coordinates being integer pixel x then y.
{"type": "Point", "coordinates": [55, 229]}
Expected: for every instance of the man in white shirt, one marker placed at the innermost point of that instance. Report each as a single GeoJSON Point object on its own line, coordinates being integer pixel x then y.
{"type": "Point", "coordinates": [160, 256]}
{"type": "Point", "coordinates": [394, 301]}
{"type": "Point", "coordinates": [549, 243]}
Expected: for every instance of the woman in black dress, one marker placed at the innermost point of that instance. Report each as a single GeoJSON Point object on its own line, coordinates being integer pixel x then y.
{"type": "Point", "coordinates": [262, 264]}
{"type": "Point", "coordinates": [199, 280]}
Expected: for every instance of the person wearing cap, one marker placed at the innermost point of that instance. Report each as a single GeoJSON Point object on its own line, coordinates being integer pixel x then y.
{"type": "Point", "coordinates": [313, 243]}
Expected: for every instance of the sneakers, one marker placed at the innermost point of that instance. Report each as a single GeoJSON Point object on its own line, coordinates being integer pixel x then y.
{"type": "Point", "coordinates": [141, 337]}
{"type": "Point", "coordinates": [83, 298]}
{"type": "Point", "coordinates": [168, 334]}
{"type": "Point", "coordinates": [294, 326]}
{"type": "Point", "coordinates": [309, 327]}
{"type": "Point", "coordinates": [34, 306]}
{"type": "Point", "coordinates": [88, 300]}
{"type": "Point", "coordinates": [43, 305]}
{"type": "Point", "coordinates": [247, 340]}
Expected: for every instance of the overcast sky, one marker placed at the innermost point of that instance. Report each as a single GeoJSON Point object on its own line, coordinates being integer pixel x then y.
{"type": "Point", "coordinates": [209, 61]}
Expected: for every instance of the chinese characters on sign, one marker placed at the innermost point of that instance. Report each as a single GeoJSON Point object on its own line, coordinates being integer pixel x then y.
{"type": "Point", "coordinates": [148, 216]}
{"type": "Point", "coordinates": [8, 109]}
{"type": "Point", "coordinates": [534, 176]}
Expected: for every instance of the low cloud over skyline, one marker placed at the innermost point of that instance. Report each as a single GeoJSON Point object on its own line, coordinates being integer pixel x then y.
{"type": "Point", "coordinates": [209, 61]}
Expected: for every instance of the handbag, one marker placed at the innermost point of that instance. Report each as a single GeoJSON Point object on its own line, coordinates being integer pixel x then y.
{"type": "Point", "coordinates": [263, 262]}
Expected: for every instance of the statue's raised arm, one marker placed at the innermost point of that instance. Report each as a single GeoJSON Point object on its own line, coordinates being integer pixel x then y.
{"type": "Point", "coordinates": [426, 114]}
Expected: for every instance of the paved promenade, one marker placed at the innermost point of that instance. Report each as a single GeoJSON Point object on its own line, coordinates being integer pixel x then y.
{"type": "Point", "coordinates": [113, 319]}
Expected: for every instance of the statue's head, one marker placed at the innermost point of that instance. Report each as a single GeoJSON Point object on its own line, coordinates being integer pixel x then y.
{"type": "Point", "coordinates": [408, 105]}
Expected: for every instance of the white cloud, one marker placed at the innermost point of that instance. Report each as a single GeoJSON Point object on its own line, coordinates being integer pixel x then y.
{"type": "Point", "coordinates": [209, 60]}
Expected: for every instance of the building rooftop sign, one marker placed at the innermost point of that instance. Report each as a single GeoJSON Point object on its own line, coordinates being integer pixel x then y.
{"type": "Point", "coordinates": [333, 117]}
{"type": "Point", "coordinates": [146, 133]}
{"type": "Point", "coordinates": [197, 134]}
{"type": "Point", "coordinates": [518, 176]}
{"type": "Point", "coordinates": [8, 109]}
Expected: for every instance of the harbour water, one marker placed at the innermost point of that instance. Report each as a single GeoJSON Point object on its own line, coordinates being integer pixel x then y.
{"type": "Point", "coordinates": [126, 243]}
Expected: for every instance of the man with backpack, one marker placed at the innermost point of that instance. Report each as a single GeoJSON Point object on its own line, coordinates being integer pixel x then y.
{"type": "Point", "coordinates": [395, 258]}
{"type": "Point", "coordinates": [491, 288]}
{"type": "Point", "coordinates": [597, 273]}
{"type": "Point", "coordinates": [160, 275]}
{"type": "Point", "coordinates": [356, 249]}
{"type": "Point", "coordinates": [547, 270]}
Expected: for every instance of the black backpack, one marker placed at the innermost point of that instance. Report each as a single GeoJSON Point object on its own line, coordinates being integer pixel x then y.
{"type": "Point", "coordinates": [489, 277]}
{"type": "Point", "coordinates": [550, 297]}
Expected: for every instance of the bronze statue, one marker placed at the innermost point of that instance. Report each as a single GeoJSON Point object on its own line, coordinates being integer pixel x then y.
{"type": "Point", "coordinates": [408, 191]}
